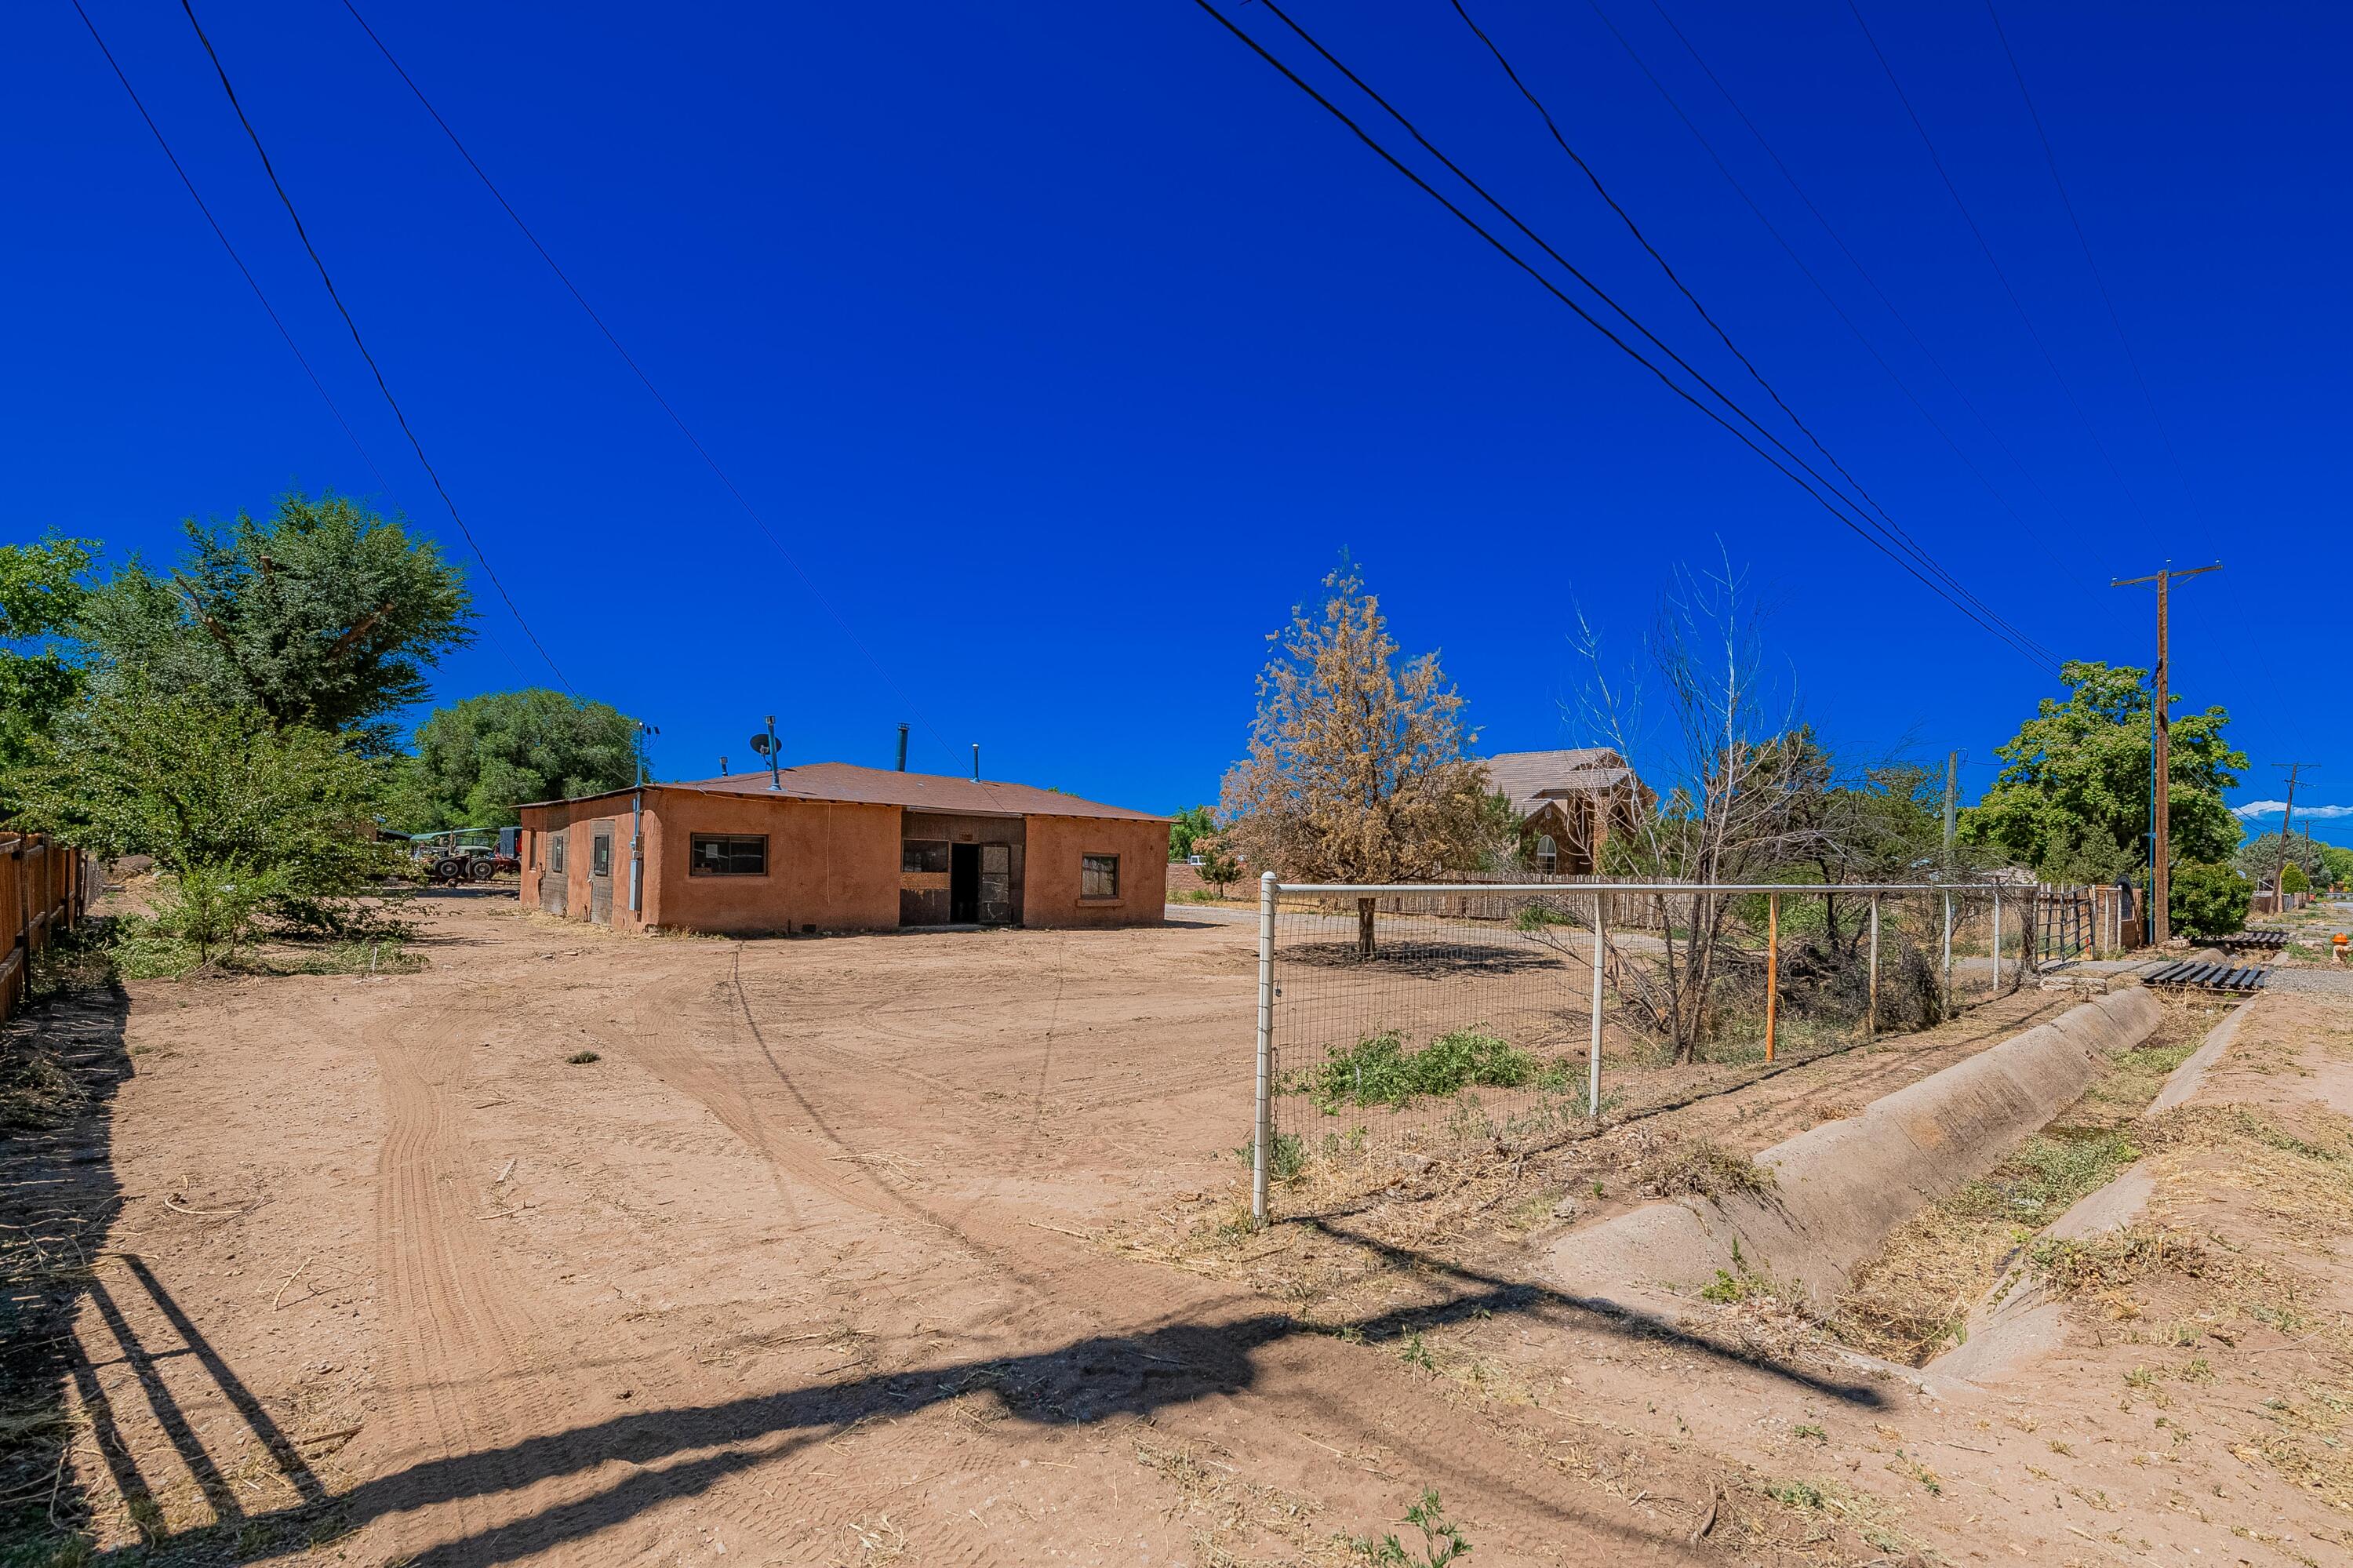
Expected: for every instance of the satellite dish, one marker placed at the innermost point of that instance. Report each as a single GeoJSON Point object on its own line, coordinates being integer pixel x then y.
{"type": "Point", "coordinates": [760, 744]}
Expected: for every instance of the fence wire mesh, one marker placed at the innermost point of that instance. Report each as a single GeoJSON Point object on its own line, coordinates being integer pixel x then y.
{"type": "Point", "coordinates": [1409, 1024]}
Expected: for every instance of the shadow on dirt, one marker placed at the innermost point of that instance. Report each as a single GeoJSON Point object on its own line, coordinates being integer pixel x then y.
{"type": "Point", "coordinates": [679, 1453]}
{"type": "Point", "coordinates": [1425, 960]}
{"type": "Point", "coordinates": [61, 1061]}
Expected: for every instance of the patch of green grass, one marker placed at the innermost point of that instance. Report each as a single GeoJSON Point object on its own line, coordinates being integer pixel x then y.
{"type": "Point", "coordinates": [1379, 1070]}
{"type": "Point", "coordinates": [1286, 1162]}
{"type": "Point", "coordinates": [1797, 1494]}
{"type": "Point", "coordinates": [2054, 1168]}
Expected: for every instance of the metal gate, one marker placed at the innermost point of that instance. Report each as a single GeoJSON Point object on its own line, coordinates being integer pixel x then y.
{"type": "Point", "coordinates": [2063, 927]}
{"type": "Point", "coordinates": [995, 883]}
{"type": "Point", "coordinates": [600, 877]}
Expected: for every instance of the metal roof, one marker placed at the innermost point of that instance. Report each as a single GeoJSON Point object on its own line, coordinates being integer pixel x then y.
{"type": "Point", "coordinates": [849, 784]}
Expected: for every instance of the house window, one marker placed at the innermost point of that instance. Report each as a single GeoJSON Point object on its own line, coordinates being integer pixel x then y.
{"type": "Point", "coordinates": [924, 855]}
{"type": "Point", "coordinates": [1099, 876]}
{"type": "Point", "coordinates": [715, 854]}
{"type": "Point", "coordinates": [555, 852]}
{"type": "Point", "coordinates": [600, 855]}
{"type": "Point", "coordinates": [1547, 853]}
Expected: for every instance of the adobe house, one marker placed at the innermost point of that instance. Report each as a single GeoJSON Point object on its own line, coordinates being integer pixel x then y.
{"type": "Point", "coordinates": [1569, 802]}
{"type": "Point", "coordinates": [834, 847]}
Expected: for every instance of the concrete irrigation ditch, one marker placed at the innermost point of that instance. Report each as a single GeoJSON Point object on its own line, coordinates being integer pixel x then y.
{"type": "Point", "coordinates": [1840, 1188]}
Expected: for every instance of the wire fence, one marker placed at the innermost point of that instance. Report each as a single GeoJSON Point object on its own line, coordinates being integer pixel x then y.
{"type": "Point", "coordinates": [1400, 1023]}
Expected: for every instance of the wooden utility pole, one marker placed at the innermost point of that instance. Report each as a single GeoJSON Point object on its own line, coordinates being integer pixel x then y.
{"type": "Point", "coordinates": [1952, 794]}
{"type": "Point", "coordinates": [2160, 869]}
{"type": "Point", "coordinates": [2279, 872]}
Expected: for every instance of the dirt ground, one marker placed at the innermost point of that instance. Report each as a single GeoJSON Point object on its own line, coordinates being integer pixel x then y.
{"type": "Point", "coordinates": [576, 1248]}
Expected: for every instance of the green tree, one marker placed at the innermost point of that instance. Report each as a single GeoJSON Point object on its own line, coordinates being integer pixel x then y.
{"type": "Point", "coordinates": [478, 759]}
{"type": "Point", "coordinates": [2074, 791]}
{"type": "Point", "coordinates": [2336, 865]}
{"type": "Point", "coordinates": [324, 615]}
{"type": "Point", "coordinates": [2208, 900]}
{"type": "Point", "coordinates": [2261, 858]}
{"type": "Point", "coordinates": [244, 815]}
{"type": "Point", "coordinates": [1193, 824]}
{"type": "Point", "coordinates": [1220, 869]}
{"type": "Point", "coordinates": [2293, 879]}
{"type": "Point", "coordinates": [41, 596]}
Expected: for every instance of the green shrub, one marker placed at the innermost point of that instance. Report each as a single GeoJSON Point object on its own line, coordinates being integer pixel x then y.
{"type": "Point", "coordinates": [2208, 900]}
{"type": "Point", "coordinates": [1379, 1071]}
{"type": "Point", "coordinates": [1286, 1160]}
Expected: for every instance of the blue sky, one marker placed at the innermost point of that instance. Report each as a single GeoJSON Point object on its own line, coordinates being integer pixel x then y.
{"type": "Point", "coordinates": [1065, 349]}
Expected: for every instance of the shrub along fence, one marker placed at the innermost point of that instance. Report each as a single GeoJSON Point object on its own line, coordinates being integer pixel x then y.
{"type": "Point", "coordinates": [44, 889]}
{"type": "Point", "coordinates": [1400, 1023]}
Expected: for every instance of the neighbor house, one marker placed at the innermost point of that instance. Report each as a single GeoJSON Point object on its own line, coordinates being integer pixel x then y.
{"type": "Point", "coordinates": [1569, 802]}
{"type": "Point", "coordinates": [832, 847]}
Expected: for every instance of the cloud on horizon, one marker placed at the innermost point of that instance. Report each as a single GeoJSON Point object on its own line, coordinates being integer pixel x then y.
{"type": "Point", "coordinates": [2273, 808]}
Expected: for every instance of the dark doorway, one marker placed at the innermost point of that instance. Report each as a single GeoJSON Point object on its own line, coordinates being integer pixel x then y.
{"type": "Point", "coordinates": [963, 884]}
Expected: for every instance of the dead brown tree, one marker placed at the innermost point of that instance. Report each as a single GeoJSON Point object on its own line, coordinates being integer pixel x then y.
{"type": "Point", "coordinates": [1355, 770]}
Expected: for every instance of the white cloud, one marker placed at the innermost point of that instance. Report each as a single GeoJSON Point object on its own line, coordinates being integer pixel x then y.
{"type": "Point", "coordinates": [2274, 808]}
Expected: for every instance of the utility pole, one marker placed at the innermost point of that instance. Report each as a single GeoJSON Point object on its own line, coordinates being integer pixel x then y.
{"type": "Point", "coordinates": [637, 821]}
{"type": "Point", "coordinates": [2161, 786]}
{"type": "Point", "coordinates": [2279, 872]}
{"type": "Point", "coordinates": [1952, 803]}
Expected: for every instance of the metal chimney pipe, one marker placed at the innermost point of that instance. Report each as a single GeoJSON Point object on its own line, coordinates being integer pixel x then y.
{"type": "Point", "coordinates": [976, 762]}
{"type": "Point", "coordinates": [722, 767]}
{"type": "Point", "coordinates": [775, 780]}
{"type": "Point", "coordinates": [903, 749]}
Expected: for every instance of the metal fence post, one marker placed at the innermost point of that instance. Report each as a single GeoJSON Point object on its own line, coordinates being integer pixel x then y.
{"type": "Point", "coordinates": [1262, 1129]}
{"type": "Point", "coordinates": [1870, 1014]}
{"type": "Point", "coordinates": [1593, 1051]}
{"type": "Point", "coordinates": [1772, 967]}
{"type": "Point", "coordinates": [1997, 941]}
{"type": "Point", "coordinates": [1948, 954]}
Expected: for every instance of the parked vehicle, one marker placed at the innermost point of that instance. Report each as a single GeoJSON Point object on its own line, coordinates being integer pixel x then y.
{"type": "Point", "coordinates": [464, 855]}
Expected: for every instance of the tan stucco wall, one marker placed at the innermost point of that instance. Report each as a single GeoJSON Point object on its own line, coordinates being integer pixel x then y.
{"type": "Point", "coordinates": [831, 864]}
{"type": "Point", "coordinates": [583, 818]}
{"type": "Point", "coordinates": [1051, 885]}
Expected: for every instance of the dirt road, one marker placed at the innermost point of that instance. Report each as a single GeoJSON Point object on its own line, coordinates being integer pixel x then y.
{"type": "Point", "coordinates": [798, 1269]}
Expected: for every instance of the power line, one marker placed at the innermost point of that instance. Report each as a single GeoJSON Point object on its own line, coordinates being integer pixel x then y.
{"type": "Point", "coordinates": [221, 234]}
{"type": "Point", "coordinates": [1911, 546]}
{"type": "Point", "coordinates": [2003, 277]}
{"type": "Point", "coordinates": [1811, 276]}
{"type": "Point", "coordinates": [2115, 320]}
{"type": "Point", "coordinates": [1836, 239]}
{"type": "Point", "coordinates": [361, 342]}
{"type": "Point", "coordinates": [1826, 502]}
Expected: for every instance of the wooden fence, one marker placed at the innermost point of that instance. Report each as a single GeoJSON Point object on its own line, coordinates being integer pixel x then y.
{"type": "Point", "coordinates": [44, 889]}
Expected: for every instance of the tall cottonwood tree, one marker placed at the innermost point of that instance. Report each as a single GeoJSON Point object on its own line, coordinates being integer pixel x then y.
{"type": "Point", "coordinates": [1355, 770]}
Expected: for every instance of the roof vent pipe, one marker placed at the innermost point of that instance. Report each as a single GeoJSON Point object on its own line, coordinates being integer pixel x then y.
{"type": "Point", "coordinates": [976, 762]}
{"type": "Point", "coordinates": [903, 749]}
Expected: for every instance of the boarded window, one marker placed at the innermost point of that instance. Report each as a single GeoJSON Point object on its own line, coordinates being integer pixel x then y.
{"type": "Point", "coordinates": [924, 855]}
{"type": "Point", "coordinates": [1099, 876]}
{"type": "Point", "coordinates": [736, 855]}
